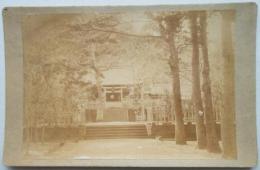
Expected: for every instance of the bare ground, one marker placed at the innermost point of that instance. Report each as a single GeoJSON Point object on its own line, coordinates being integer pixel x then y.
{"type": "Point", "coordinates": [118, 149]}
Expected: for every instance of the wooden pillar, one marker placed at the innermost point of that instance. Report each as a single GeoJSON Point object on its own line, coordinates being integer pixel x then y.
{"type": "Point", "coordinates": [142, 102]}
{"type": "Point", "coordinates": [121, 94]}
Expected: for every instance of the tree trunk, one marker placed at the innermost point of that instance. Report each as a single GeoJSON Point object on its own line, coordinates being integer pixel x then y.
{"type": "Point", "coordinates": [228, 116]}
{"type": "Point", "coordinates": [100, 98]}
{"type": "Point", "coordinates": [212, 139]}
{"type": "Point", "coordinates": [174, 65]}
{"type": "Point", "coordinates": [42, 138]}
{"type": "Point", "coordinates": [98, 84]}
{"type": "Point", "coordinates": [196, 91]}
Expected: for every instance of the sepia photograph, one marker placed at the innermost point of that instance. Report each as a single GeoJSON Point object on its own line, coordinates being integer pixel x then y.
{"type": "Point", "coordinates": [129, 85]}
{"type": "Point", "coordinates": [125, 83]}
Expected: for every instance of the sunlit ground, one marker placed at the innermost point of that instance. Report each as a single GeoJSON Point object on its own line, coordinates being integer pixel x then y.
{"type": "Point", "coordinates": [118, 149]}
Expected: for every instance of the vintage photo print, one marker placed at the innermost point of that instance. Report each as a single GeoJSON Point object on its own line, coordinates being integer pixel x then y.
{"type": "Point", "coordinates": [129, 84]}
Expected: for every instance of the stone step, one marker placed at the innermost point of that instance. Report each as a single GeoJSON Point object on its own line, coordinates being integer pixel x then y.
{"type": "Point", "coordinates": [116, 131]}
{"type": "Point", "coordinates": [118, 137]}
{"type": "Point", "coordinates": [116, 128]}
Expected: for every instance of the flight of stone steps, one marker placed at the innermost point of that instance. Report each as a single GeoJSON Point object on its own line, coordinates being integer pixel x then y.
{"type": "Point", "coordinates": [116, 131]}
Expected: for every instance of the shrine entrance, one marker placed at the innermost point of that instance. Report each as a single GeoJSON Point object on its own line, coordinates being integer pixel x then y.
{"type": "Point", "coordinates": [118, 103]}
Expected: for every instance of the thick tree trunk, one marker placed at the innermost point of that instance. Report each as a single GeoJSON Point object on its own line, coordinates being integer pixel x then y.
{"type": "Point", "coordinates": [228, 116]}
{"type": "Point", "coordinates": [174, 65]}
{"type": "Point", "coordinates": [196, 92]}
{"type": "Point", "coordinates": [212, 139]}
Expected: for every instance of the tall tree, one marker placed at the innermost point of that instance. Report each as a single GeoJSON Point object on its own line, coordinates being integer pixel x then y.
{"type": "Point", "coordinates": [228, 116]}
{"type": "Point", "coordinates": [100, 49]}
{"type": "Point", "coordinates": [196, 91]}
{"type": "Point", "coordinates": [170, 25]}
{"type": "Point", "coordinates": [212, 139]}
{"type": "Point", "coordinates": [98, 77]}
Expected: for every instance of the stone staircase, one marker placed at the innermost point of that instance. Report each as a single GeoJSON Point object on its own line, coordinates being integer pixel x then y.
{"type": "Point", "coordinates": [116, 131]}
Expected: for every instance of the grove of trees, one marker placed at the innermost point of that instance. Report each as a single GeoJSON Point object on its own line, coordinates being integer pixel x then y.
{"type": "Point", "coordinates": [63, 52]}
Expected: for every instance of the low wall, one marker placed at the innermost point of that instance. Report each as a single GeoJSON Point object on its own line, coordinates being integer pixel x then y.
{"type": "Point", "coordinates": [73, 133]}
{"type": "Point", "coordinates": [167, 130]}
{"type": "Point", "coordinates": [54, 134]}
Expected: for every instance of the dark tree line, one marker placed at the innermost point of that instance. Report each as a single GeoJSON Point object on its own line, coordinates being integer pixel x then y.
{"type": "Point", "coordinates": [227, 118]}
{"type": "Point", "coordinates": [170, 26]}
